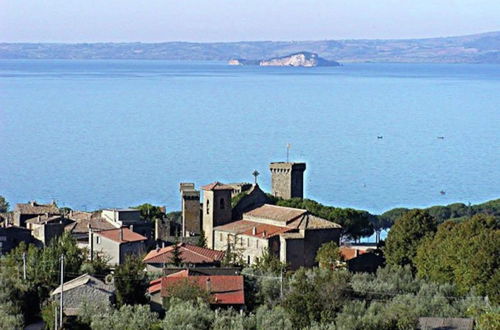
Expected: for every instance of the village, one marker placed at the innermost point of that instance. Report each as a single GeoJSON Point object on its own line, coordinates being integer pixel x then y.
{"type": "Point", "coordinates": [224, 229]}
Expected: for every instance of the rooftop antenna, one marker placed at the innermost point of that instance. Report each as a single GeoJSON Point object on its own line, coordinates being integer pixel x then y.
{"type": "Point", "coordinates": [255, 174]}
{"type": "Point", "coordinates": [288, 146]}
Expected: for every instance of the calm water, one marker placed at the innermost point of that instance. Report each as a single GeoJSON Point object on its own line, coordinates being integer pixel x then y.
{"type": "Point", "coordinates": [94, 134]}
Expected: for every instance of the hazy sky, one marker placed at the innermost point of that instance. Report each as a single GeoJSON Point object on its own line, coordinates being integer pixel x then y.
{"type": "Point", "coordinates": [233, 20]}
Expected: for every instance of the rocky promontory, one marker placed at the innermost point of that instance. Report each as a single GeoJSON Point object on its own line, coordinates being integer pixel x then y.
{"type": "Point", "coordinates": [301, 59]}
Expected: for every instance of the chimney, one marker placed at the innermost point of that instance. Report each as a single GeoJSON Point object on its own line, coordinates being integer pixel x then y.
{"type": "Point", "coordinates": [209, 285]}
{"type": "Point", "coordinates": [157, 229]}
{"type": "Point", "coordinates": [39, 218]}
{"type": "Point", "coordinates": [264, 233]}
{"type": "Point", "coordinates": [32, 203]}
{"type": "Point", "coordinates": [121, 234]}
{"type": "Point", "coordinates": [91, 243]}
{"type": "Point", "coordinates": [132, 227]}
{"type": "Point", "coordinates": [254, 231]}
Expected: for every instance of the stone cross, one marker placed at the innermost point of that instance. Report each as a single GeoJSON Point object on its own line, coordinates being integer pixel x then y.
{"type": "Point", "coordinates": [255, 174]}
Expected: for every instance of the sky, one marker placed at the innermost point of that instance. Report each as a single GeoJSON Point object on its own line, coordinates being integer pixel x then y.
{"type": "Point", "coordinates": [235, 20]}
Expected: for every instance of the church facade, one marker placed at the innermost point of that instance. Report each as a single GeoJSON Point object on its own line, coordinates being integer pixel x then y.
{"type": "Point", "coordinates": [253, 226]}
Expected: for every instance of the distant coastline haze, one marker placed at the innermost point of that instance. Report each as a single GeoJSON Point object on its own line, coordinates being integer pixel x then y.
{"type": "Point", "coordinates": [71, 21]}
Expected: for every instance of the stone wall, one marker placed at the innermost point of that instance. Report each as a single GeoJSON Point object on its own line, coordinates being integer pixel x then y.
{"type": "Point", "coordinates": [287, 179]}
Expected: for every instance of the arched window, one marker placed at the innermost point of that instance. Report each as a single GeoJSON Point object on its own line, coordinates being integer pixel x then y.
{"type": "Point", "coordinates": [208, 206]}
{"type": "Point", "coordinates": [222, 203]}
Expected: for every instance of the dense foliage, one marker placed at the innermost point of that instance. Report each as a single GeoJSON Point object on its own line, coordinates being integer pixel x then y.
{"type": "Point", "coordinates": [150, 212]}
{"type": "Point", "coordinates": [405, 236]}
{"type": "Point", "coordinates": [131, 282]}
{"type": "Point", "coordinates": [467, 254]}
{"type": "Point", "coordinates": [4, 205]}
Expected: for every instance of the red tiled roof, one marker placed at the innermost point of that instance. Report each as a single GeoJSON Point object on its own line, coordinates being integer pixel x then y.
{"type": "Point", "coordinates": [217, 186]}
{"type": "Point", "coordinates": [274, 212]}
{"type": "Point", "coordinates": [246, 227]}
{"type": "Point", "coordinates": [128, 235]}
{"type": "Point", "coordinates": [225, 290]}
{"type": "Point", "coordinates": [191, 254]}
{"type": "Point", "coordinates": [349, 253]}
{"type": "Point", "coordinates": [35, 208]}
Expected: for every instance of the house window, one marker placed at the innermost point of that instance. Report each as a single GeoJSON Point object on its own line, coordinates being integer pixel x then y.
{"type": "Point", "coordinates": [221, 237]}
{"type": "Point", "coordinates": [248, 241]}
{"type": "Point", "coordinates": [208, 207]}
{"type": "Point", "coordinates": [257, 243]}
{"type": "Point", "coordinates": [98, 240]}
{"type": "Point", "coordinates": [248, 260]}
{"type": "Point", "coordinates": [221, 203]}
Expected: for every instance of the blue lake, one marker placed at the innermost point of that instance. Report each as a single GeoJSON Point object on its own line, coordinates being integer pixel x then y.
{"type": "Point", "coordinates": [95, 134]}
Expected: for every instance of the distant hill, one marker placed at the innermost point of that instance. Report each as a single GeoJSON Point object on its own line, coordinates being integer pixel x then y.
{"type": "Point", "coordinates": [304, 59]}
{"type": "Point", "coordinates": [477, 48]}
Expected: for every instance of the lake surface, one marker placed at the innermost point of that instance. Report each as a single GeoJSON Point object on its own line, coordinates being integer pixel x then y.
{"type": "Point", "coordinates": [95, 134]}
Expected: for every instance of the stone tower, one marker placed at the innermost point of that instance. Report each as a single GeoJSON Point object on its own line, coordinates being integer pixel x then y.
{"type": "Point", "coordinates": [287, 179]}
{"type": "Point", "coordinates": [190, 208]}
{"type": "Point", "coordinates": [216, 208]}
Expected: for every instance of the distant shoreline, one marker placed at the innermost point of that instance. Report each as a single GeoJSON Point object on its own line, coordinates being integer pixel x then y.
{"type": "Point", "coordinates": [477, 48]}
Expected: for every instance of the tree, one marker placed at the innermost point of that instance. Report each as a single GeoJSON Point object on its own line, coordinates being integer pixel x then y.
{"type": "Point", "coordinates": [468, 256]}
{"type": "Point", "coordinates": [273, 318]}
{"type": "Point", "coordinates": [186, 289]}
{"type": "Point", "coordinates": [202, 240]}
{"type": "Point", "coordinates": [269, 264]}
{"type": "Point", "coordinates": [328, 255]}
{"type": "Point", "coordinates": [127, 317]}
{"type": "Point", "coordinates": [405, 236]}
{"type": "Point", "coordinates": [150, 212]}
{"type": "Point", "coordinates": [176, 259]}
{"type": "Point", "coordinates": [4, 205]}
{"type": "Point", "coordinates": [188, 315]}
{"type": "Point", "coordinates": [316, 295]}
{"type": "Point", "coordinates": [130, 282]}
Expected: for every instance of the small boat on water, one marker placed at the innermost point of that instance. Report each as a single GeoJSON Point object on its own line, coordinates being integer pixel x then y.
{"type": "Point", "coordinates": [441, 137]}
{"type": "Point", "coordinates": [380, 137]}
{"type": "Point", "coordinates": [442, 192]}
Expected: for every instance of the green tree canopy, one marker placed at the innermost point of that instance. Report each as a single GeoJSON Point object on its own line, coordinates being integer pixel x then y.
{"type": "Point", "coordinates": [467, 254]}
{"type": "Point", "coordinates": [4, 205]}
{"type": "Point", "coordinates": [328, 255]}
{"type": "Point", "coordinates": [405, 236]}
{"type": "Point", "coordinates": [150, 212]}
{"type": "Point", "coordinates": [130, 282]}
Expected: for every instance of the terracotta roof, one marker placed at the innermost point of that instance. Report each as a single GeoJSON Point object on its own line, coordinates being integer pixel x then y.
{"type": "Point", "coordinates": [276, 213]}
{"type": "Point", "coordinates": [349, 253]}
{"type": "Point", "coordinates": [246, 227]}
{"type": "Point", "coordinates": [191, 254]}
{"type": "Point", "coordinates": [35, 208]}
{"type": "Point", "coordinates": [40, 219]}
{"type": "Point", "coordinates": [217, 186]}
{"type": "Point", "coordinates": [128, 235]}
{"type": "Point", "coordinates": [81, 221]}
{"type": "Point", "coordinates": [309, 221]}
{"type": "Point", "coordinates": [225, 290]}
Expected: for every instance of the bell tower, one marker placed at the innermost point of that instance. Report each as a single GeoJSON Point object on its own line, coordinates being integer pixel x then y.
{"type": "Point", "coordinates": [216, 208]}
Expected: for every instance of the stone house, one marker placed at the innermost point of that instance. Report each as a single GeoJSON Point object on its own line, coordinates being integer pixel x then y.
{"type": "Point", "coordinates": [11, 236]}
{"type": "Point", "coordinates": [26, 211]}
{"type": "Point", "coordinates": [130, 218]}
{"type": "Point", "coordinates": [46, 227]}
{"type": "Point", "coordinates": [84, 288]}
{"type": "Point", "coordinates": [292, 235]}
{"type": "Point", "coordinates": [79, 223]}
{"type": "Point", "coordinates": [192, 256]}
{"type": "Point", "coordinates": [225, 290]}
{"type": "Point", "coordinates": [116, 244]}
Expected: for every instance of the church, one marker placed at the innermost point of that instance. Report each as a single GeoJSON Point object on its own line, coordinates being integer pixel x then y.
{"type": "Point", "coordinates": [253, 225]}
